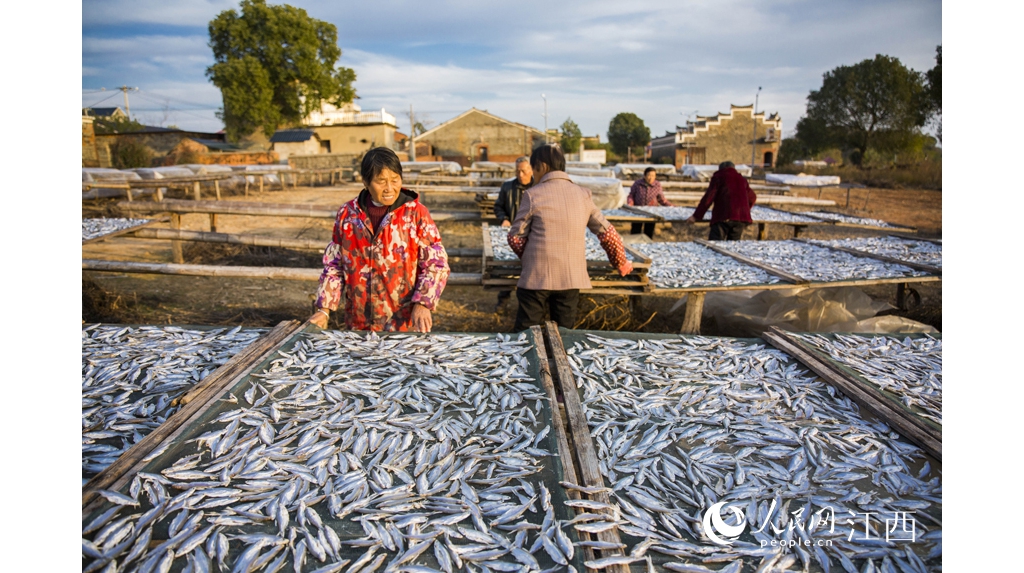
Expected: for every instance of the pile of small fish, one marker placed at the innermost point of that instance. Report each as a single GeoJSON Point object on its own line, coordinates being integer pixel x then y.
{"type": "Point", "coordinates": [92, 228]}
{"type": "Point", "coordinates": [817, 263]}
{"type": "Point", "coordinates": [840, 218]}
{"type": "Point", "coordinates": [502, 252]}
{"type": "Point", "coordinates": [910, 368]}
{"type": "Point", "coordinates": [671, 213]}
{"type": "Point", "coordinates": [349, 451]}
{"type": "Point", "coordinates": [613, 213]}
{"type": "Point", "coordinates": [130, 376]}
{"type": "Point", "coordinates": [757, 213]}
{"type": "Point", "coordinates": [768, 215]}
{"type": "Point", "coordinates": [922, 252]}
{"type": "Point", "coordinates": [683, 265]}
{"type": "Point", "coordinates": [684, 424]}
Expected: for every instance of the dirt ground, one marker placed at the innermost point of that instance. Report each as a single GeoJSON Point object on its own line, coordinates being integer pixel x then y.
{"type": "Point", "coordinates": [167, 299]}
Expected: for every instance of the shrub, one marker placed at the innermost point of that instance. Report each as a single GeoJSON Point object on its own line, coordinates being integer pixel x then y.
{"type": "Point", "coordinates": [128, 154]}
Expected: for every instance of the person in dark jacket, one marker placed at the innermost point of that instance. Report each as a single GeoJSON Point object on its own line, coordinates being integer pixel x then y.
{"type": "Point", "coordinates": [511, 192]}
{"type": "Point", "coordinates": [732, 198]}
{"type": "Point", "coordinates": [507, 205]}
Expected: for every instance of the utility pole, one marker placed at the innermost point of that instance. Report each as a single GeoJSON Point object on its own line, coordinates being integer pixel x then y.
{"type": "Point", "coordinates": [412, 135]}
{"type": "Point", "coordinates": [125, 90]}
{"type": "Point", "coordinates": [546, 140]}
{"type": "Point", "coordinates": [753, 120]}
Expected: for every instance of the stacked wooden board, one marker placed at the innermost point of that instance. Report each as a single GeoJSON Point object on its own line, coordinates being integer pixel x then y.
{"type": "Point", "coordinates": [501, 267]}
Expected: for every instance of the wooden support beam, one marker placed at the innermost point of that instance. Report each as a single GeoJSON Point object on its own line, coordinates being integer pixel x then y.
{"type": "Point", "coordinates": [216, 187]}
{"type": "Point", "coordinates": [788, 277]}
{"type": "Point", "coordinates": [891, 411]}
{"type": "Point", "coordinates": [197, 191]}
{"type": "Point", "coordinates": [284, 273]}
{"type": "Point", "coordinates": [565, 450]}
{"type": "Point", "coordinates": [693, 313]}
{"type": "Point", "coordinates": [213, 222]}
{"type": "Point", "coordinates": [762, 231]}
{"type": "Point", "coordinates": [254, 240]}
{"type": "Point", "coordinates": [176, 255]}
{"type": "Point", "coordinates": [586, 453]}
{"type": "Point", "coordinates": [197, 401]}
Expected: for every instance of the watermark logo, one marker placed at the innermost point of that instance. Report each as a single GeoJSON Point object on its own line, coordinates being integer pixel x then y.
{"type": "Point", "coordinates": [713, 522]}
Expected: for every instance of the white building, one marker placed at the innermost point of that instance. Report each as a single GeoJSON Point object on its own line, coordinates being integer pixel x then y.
{"type": "Point", "coordinates": [348, 114]}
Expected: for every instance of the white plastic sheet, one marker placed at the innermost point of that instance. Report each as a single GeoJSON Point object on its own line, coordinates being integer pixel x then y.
{"type": "Point", "coordinates": [447, 167]}
{"type": "Point", "coordinates": [91, 174]}
{"type": "Point", "coordinates": [704, 172]}
{"type": "Point", "coordinates": [150, 173]}
{"type": "Point", "coordinates": [206, 169]}
{"type": "Point", "coordinates": [639, 168]}
{"type": "Point", "coordinates": [606, 191]}
{"type": "Point", "coordinates": [802, 180]}
{"type": "Point", "coordinates": [844, 309]}
{"type": "Point", "coordinates": [813, 164]}
{"type": "Point", "coordinates": [590, 172]}
{"type": "Point", "coordinates": [583, 164]}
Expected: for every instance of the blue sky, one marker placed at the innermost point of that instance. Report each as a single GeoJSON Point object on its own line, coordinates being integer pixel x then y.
{"type": "Point", "coordinates": [664, 61]}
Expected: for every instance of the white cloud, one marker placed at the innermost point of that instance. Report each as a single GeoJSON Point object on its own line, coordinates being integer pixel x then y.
{"type": "Point", "coordinates": [592, 60]}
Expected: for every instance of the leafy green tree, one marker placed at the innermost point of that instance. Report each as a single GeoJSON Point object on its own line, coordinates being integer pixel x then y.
{"type": "Point", "coordinates": [875, 103]}
{"type": "Point", "coordinates": [934, 90]}
{"type": "Point", "coordinates": [626, 133]}
{"type": "Point", "coordinates": [571, 136]}
{"type": "Point", "coordinates": [129, 154]}
{"type": "Point", "coordinates": [274, 65]}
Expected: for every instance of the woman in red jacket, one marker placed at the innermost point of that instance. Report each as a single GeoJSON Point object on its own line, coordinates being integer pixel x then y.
{"type": "Point", "coordinates": [385, 255]}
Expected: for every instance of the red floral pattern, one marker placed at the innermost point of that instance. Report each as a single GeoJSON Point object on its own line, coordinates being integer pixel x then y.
{"type": "Point", "coordinates": [382, 276]}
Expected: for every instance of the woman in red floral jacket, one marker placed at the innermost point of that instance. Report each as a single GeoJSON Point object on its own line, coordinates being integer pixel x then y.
{"type": "Point", "coordinates": [385, 255]}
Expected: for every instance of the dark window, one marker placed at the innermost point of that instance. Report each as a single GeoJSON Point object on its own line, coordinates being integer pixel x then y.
{"type": "Point", "coordinates": [482, 153]}
{"type": "Point", "coordinates": [768, 159]}
{"type": "Point", "coordinates": [325, 146]}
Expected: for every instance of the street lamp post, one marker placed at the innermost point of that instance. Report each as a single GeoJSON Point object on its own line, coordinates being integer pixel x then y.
{"type": "Point", "coordinates": [753, 119]}
{"type": "Point", "coordinates": [546, 140]}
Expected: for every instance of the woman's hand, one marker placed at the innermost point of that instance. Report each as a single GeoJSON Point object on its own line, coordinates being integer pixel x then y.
{"type": "Point", "coordinates": [420, 320]}
{"type": "Point", "coordinates": [319, 318]}
{"type": "Point", "coordinates": [690, 220]}
{"type": "Point", "coordinates": [626, 268]}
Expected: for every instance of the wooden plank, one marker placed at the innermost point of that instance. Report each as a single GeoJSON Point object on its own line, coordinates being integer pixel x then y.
{"type": "Point", "coordinates": [200, 399]}
{"type": "Point", "coordinates": [891, 412]}
{"type": "Point", "coordinates": [565, 451]}
{"type": "Point", "coordinates": [791, 278]}
{"type": "Point", "coordinates": [692, 314]}
{"type": "Point", "coordinates": [241, 239]}
{"type": "Point", "coordinates": [265, 209]}
{"type": "Point", "coordinates": [285, 273]}
{"type": "Point", "coordinates": [916, 266]}
{"type": "Point", "coordinates": [586, 454]}
{"type": "Point", "coordinates": [899, 236]}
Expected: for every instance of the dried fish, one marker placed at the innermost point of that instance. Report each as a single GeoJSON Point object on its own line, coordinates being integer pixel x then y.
{"type": "Point", "coordinates": [681, 424]}
{"type": "Point", "coordinates": [841, 218]}
{"type": "Point", "coordinates": [429, 451]}
{"type": "Point", "coordinates": [130, 376]}
{"type": "Point", "coordinates": [909, 368]}
{"type": "Point", "coordinates": [922, 252]}
{"type": "Point", "coordinates": [686, 264]}
{"type": "Point", "coordinates": [92, 228]}
{"type": "Point", "coordinates": [757, 214]}
{"type": "Point", "coordinates": [502, 252]}
{"type": "Point", "coordinates": [817, 263]}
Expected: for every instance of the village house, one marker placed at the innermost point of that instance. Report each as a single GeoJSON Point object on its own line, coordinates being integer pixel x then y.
{"type": "Point", "coordinates": [298, 142]}
{"type": "Point", "coordinates": [722, 137]}
{"type": "Point", "coordinates": [476, 135]}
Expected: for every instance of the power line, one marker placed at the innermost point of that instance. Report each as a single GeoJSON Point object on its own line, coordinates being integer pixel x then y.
{"type": "Point", "coordinates": [103, 100]}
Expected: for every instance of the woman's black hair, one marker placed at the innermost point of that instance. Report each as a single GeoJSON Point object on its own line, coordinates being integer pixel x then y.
{"type": "Point", "coordinates": [376, 160]}
{"type": "Point", "coordinates": [649, 169]}
{"type": "Point", "coordinates": [550, 155]}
